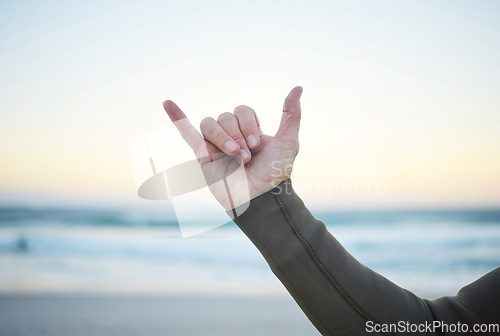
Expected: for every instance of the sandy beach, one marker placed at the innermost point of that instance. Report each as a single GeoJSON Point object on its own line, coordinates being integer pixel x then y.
{"type": "Point", "coordinates": [125, 315]}
{"type": "Point", "coordinates": [116, 272]}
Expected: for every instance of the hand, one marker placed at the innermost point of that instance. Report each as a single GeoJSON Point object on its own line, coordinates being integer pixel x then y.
{"type": "Point", "coordinates": [234, 147]}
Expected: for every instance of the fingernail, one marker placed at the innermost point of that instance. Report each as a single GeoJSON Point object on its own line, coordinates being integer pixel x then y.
{"type": "Point", "coordinates": [231, 146]}
{"type": "Point", "coordinates": [244, 154]}
{"type": "Point", "coordinates": [252, 141]}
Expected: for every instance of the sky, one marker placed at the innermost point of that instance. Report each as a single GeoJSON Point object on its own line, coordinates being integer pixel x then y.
{"type": "Point", "coordinates": [400, 105]}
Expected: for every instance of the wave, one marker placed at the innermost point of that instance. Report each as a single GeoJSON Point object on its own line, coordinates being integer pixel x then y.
{"type": "Point", "coordinates": [94, 217]}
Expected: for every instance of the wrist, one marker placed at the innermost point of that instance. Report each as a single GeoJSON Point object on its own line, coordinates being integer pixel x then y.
{"type": "Point", "coordinates": [278, 187]}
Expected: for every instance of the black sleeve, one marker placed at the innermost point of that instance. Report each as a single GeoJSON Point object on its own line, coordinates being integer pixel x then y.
{"type": "Point", "coordinates": [339, 295]}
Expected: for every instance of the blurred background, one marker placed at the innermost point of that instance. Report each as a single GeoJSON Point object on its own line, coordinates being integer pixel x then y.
{"type": "Point", "coordinates": [400, 140]}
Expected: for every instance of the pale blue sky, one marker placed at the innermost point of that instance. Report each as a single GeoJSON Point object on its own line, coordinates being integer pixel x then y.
{"type": "Point", "coordinates": [413, 85]}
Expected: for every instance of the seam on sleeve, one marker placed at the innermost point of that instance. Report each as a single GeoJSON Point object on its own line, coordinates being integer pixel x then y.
{"type": "Point", "coordinates": [317, 262]}
{"type": "Point", "coordinates": [290, 286]}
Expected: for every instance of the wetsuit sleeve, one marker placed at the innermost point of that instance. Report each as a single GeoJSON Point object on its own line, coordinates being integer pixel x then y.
{"type": "Point", "coordinates": [339, 295]}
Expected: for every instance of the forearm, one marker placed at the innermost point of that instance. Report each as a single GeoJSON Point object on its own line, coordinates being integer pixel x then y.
{"type": "Point", "coordinates": [337, 293]}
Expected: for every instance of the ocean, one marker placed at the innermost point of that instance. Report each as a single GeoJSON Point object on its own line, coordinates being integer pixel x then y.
{"type": "Point", "coordinates": [136, 250]}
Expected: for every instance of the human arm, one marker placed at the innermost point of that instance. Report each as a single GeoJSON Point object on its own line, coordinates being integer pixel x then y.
{"type": "Point", "coordinates": [337, 293]}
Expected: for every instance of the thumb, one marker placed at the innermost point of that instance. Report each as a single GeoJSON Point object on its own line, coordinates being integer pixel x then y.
{"type": "Point", "coordinates": [290, 119]}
